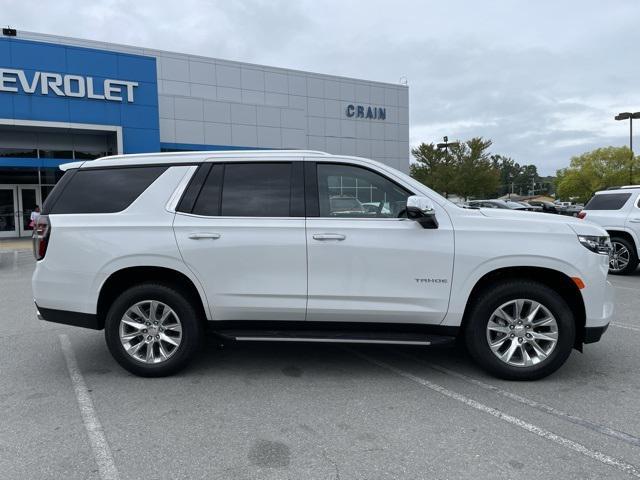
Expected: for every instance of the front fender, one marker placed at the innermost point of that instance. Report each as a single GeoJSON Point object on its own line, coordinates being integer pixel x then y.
{"type": "Point", "coordinates": [464, 283]}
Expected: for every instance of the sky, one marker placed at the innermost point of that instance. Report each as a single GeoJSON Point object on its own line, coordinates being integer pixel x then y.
{"type": "Point", "coordinates": [542, 79]}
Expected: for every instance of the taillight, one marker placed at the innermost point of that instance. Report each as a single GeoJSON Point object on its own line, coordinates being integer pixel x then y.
{"type": "Point", "coordinates": [582, 214]}
{"type": "Point", "coordinates": [41, 236]}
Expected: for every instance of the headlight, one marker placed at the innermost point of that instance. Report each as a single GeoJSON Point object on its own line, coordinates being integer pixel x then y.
{"type": "Point", "coordinates": [597, 244]}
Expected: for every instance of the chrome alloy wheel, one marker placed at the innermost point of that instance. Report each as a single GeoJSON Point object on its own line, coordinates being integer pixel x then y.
{"type": "Point", "coordinates": [522, 333]}
{"type": "Point", "coordinates": [619, 257]}
{"type": "Point", "coordinates": [150, 331]}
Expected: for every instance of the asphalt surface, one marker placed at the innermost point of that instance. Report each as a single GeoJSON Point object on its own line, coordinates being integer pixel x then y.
{"type": "Point", "coordinates": [307, 411]}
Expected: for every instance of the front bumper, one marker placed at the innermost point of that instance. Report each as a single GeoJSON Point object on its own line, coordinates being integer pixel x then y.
{"type": "Point", "coordinates": [593, 334]}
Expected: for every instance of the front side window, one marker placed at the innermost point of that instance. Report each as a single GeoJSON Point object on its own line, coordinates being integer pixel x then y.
{"type": "Point", "coordinates": [354, 192]}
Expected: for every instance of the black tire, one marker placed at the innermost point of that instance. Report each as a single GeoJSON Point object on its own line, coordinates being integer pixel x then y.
{"type": "Point", "coordinates": [633, 256]}
{"type": "Point", "coordinates": [493, 297]}
{"type": "Point", "coordinates": [182, 305]}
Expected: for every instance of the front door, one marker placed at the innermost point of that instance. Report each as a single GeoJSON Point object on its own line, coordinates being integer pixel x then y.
{"type": "Point", "coordinates": [366, 262]}
{"type": "Point", "coordinates": [244, 238]}
{"type": "Point", "coordinates": [8, 212]}
{"type": "Point", "coordinates": [27, 202]}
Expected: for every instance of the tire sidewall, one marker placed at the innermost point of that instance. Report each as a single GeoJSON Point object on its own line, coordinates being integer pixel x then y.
{"type": "Point", "coordinates": [191, 329]}
{"type": "Point", "coordinates": [476, 338]}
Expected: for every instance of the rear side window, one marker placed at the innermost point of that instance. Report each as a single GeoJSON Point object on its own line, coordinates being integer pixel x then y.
{"type": "Point", "coordinates": [104, 190]}
{"type": "Point", "coordinates": [256, 190]}
{"type": "Point", "coordinates": [607, 201]}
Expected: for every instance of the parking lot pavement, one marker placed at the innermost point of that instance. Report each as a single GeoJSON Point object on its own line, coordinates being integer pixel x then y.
{"type": "Point", "coordinates": [274, 411]}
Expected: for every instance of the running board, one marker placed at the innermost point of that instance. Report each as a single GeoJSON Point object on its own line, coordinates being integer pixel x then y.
{"type": "Point", "coordinates": [321, 336]}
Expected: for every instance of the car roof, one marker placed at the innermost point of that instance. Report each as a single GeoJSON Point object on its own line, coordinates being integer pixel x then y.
{"type": "Point", "coordinates": [174, 158]}
{"type": "Point", "coordinates": [624, 188]}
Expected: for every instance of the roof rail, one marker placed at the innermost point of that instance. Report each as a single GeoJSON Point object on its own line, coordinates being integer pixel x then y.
{"type": "Point", "coordinates": [623, 187]}
{"type": "Point", "coordinates": [252, 151]}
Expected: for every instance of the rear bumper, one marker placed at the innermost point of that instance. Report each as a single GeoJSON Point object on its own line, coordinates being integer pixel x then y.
{"type": "Point", "coordinates": [76, 319]}
{"type": "Point", "coordinates": [593, 334]}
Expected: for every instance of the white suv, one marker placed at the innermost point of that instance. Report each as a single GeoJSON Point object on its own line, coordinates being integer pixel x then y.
{"type": "Point", "coordinates": [617, 210]}
{"type": "Point", "coordinates": [154, 248]}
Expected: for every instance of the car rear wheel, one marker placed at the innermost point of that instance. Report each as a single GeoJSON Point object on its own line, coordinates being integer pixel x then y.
{"type": "Point", "coordinates": [520, 330]}
{"type": "Point", "coordinates": [624, 258]}
{"type": "Point", "coordinates": [153, 330]}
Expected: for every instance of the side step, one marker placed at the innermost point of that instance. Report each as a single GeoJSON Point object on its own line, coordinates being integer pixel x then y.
{"type": "Point", "coordinates": [337, 336]}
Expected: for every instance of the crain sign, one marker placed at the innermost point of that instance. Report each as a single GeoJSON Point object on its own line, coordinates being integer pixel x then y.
{"type": "Point", "coordinates": [65, 85]}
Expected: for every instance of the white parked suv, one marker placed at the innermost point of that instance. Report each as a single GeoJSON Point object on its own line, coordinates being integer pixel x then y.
{"type": "Point", "coordinates": [252, 245]}
{"type": "Point", "coordinates": [617, 210]}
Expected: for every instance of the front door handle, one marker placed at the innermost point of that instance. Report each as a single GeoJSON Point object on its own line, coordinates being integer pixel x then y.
{"type": "Point", "coordinates": [202, 236]}
{"type": "Point", "coordinates": [634, 220]}
{"type": "Point", "coordinates": [329, 236]}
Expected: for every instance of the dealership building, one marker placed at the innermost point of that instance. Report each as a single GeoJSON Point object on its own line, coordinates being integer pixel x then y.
{"type": "Point", "coordinates": [65, 99]}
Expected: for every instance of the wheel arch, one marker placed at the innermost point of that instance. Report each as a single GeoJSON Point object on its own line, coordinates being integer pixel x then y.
{"type": "Point", "coordinates": [554, 279]}
{"type": "Point", "coordinates": [626, 235]}
{"type": "Point", "coordinates": [122, 279]}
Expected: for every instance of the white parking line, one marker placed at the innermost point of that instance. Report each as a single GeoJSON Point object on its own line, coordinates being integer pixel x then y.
{"type": "Point", "coordinates": [101, 451]}
{"type": "Point", "coordinates": [625, 288]}
{"type": "Point", "coordinates": [541, 432]}
{"type": "Point", "coordinates": [626, 326]}
{"type": "Point", "coordinates": [625, 437]}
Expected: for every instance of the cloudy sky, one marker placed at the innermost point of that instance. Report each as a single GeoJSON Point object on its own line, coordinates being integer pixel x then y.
{"type": "Point", "coordinates": [542, 79]}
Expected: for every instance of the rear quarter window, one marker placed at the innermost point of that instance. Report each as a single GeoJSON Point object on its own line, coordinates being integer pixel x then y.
{"type": "Point", "coordinates": [607, 201]}
{"type": "Point", "coordinates": [107, 190]}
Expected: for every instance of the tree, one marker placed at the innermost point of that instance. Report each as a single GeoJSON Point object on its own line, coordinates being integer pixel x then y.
{"type": "Point", "coordinates": [596, 170]}
{"type": "Point", "coordinates": [516, 178]}
{"type": "Point", "coordinates": [434, 168]}
{"type": "Point", "coordinates": [465, 169]}
{"type": "Point", "coordinates": [476, 176]}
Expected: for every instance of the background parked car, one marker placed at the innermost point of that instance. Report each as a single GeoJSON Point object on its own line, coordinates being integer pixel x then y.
{"type": "Point", "coordinates": [546, 207]}
{"type": "Point", "coordinates": [530, 207]}
{"type": "Point", "coordinates": [574, 210]}
{"type": "Point", "coordinates": [496, 204]}
{"type": "Point", "coordinates": [617, 210]}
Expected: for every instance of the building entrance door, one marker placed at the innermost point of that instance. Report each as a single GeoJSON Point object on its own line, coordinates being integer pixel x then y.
{"type": "Point", "coordinates": [8, 201]}
{"type": "Point", "coordinates": [27, 201]}
{"type": "Point", "coordinates": [16, 204]}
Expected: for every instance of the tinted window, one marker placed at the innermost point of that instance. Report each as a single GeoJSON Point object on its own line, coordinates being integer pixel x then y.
{"type": "Point", "coordinates": [607, 201]}
{"type": "Point", "coordinates": [59, 154]}
{"type": "Point", "coordinates": [256, 190]}
{"type": "Point", "coordinates": [208, 201]}
{"type": "Point", "coordinates": [18, 152]}
{"type": "Point", "coordinates": [104, 190]}
{"type": "Point", "coordinates": [348, 191]}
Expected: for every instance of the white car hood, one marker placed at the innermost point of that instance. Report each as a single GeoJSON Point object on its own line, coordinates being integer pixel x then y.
{"type": "Point", "coordinates": [581, 227]}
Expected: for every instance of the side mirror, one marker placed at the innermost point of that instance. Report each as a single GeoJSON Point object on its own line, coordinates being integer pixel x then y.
{"type": "Point", "coordinates": [420, 209]}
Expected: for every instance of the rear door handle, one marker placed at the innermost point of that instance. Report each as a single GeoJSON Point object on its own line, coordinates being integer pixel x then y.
{"type": "Point", "coordinates": [329, 236]}
{"type": "Point", "coordinates": [634, 220]}
{"type": "Point", "coordinates": [202, 236]}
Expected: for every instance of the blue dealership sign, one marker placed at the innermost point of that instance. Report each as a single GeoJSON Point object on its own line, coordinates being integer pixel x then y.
{"type": "Point", "coordinates": [60, 83]}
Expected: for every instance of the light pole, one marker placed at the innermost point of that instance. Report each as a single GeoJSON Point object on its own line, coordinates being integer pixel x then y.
{"type": "Point", "coordinates": [630, 116]}
{"type": "Point", "coordinates": [446, 144]}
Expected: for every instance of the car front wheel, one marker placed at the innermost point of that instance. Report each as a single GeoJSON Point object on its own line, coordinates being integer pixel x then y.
{"type": "Point", "coordinates": [623, 259]}
{"type": "Point", "coordinates": [520, 330]}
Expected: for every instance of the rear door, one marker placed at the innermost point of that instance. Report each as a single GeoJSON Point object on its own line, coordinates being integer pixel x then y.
{"type": "Point", "coordinates": [372, 265]}
{"type": "Point", "coordinates": [241, 229]}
